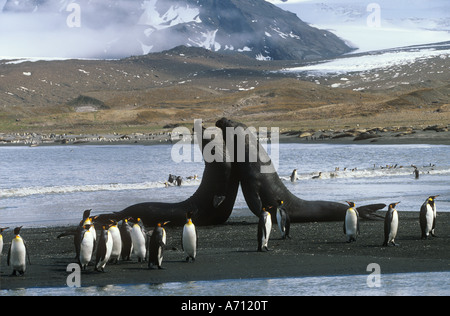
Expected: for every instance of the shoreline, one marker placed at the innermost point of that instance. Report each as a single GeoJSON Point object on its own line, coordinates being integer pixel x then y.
{"type": "Point", "coordinates": [434, 135]}
{"type": "Point", "coordinates": [228, 251]}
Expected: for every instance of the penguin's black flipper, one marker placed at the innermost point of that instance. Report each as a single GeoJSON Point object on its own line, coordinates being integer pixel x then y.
{"type": "Point", "coordinates": [9, 255]}
{"type": "Point", "coordinates": [368, 211]}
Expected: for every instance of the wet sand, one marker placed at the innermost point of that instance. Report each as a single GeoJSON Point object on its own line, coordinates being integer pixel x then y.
{"type": "Point", "coordinates": [228, 251]}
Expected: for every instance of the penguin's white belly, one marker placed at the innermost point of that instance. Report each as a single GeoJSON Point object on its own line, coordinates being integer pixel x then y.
{"type": "Point", "coordinates": [18, 255]}
{"type": "Point", "coordinates": [430, 219]}
{"type": "Point", "coordinates": [1, 244]}
{"type": "Point", "coordinates": [190, 240]}
{"type": "Point", "coordinates": [138, 239]}
{"type": "Point", "coordinates": [394, 227]}
{"type": "Point", "coordinates": [86, 248]}
{"type": "Point", "coordinates": [265, 237]}
{"type": "Point", "coordinates": [117, 243]}
{"type": "Point", "coordinates": [351, 223]}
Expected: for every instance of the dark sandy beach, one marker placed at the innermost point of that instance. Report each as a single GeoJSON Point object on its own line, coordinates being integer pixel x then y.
{"type": "Point", "coordinates": [228, 251]}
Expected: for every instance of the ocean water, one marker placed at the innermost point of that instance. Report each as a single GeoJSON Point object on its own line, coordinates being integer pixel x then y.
{"type": "Point", "coordinates": [52, 185]}
{"type": "Point", "coordinates": [401, 284]}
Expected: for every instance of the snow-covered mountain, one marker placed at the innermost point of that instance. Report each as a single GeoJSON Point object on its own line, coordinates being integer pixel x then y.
{"type": "Point", "coordinates": [119, 28]}
{"type": "Point", "coordinates": [378, 24]}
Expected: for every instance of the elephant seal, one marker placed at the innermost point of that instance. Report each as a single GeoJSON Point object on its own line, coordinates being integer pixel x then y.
{"type": "Point", "coordinates": [262, 187]}
{"type": "Point", "coordinates": [211, 204]}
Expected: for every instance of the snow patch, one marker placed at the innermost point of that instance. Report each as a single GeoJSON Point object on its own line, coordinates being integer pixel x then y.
{"type": "Point", "coordinates": [370, 62]}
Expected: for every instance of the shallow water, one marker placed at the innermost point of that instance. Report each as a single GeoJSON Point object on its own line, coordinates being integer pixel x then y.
{"type": "Point", "coordinates": [402, 284]}
{"type": "Point", "coordinates": [53, 185]}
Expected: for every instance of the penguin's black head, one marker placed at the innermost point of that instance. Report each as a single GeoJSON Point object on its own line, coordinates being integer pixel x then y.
{"type": "Point", "coordinates": [17, 230]}
{"type": "Point", "coordinates": [351, 204]}
{"type": "Point", "coordinates": [393, 205]}
{"type": "Point", "coordinates": [431, 199]}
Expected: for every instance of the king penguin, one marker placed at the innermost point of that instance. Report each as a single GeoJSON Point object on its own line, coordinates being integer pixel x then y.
{"type": "Point", "coordinates": [17, 254]}
{"type": "Point", "coordinates": [428, 217]}
{"type": "Point", "coordinates": [117, 242]}
{"type": "Point", "coordinates": [283, 220]}
{"type": "Point", "coordinates": [294, 175]}
{"type": "Point", "coordinates": [127, 244]}
{"type": "Point", "coordinates": [104, 249]}
{"type": "Point", "coordinates": [2, 229]}
{"type": "Point", "coordinates": [351, 223]}
{"type": "Point", "coordinates": [264, 228]}
{"type": "Point", "coordinates": [391, 225]}
{"type": "Point", "coordinates": [138, 239]}
{"type": "Point", "coordinates": [189, 239]}
{"type": "Point", "coordinates": [86, 246]}
{"type": "Point", "coordinates": [156, 247]}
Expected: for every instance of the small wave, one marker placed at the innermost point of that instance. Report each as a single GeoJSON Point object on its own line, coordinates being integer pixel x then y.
{"type": "Point", "coordinates": [65, 189]}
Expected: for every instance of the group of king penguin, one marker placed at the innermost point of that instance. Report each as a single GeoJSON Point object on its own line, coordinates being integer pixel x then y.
{"type": "Point", "coordinates": [427, 219]}
{"type": "Point", "coordinates": [114, 242]}
{"type": "Point", "coordinates": [130, 238]}
{"type": "Point", "coordinates": [265, 225]}
{"type": "Point", "coordinates": [351, 223]}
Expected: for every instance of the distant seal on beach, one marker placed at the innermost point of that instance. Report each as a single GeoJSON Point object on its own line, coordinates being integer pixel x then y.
{"type": "Point", "coordinates": [266, 188]}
